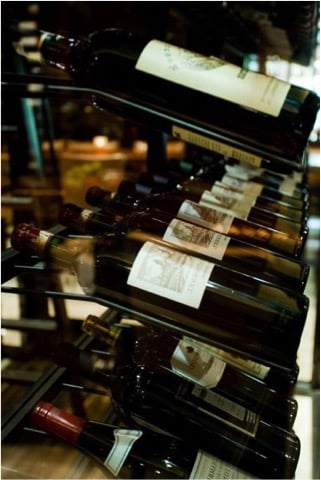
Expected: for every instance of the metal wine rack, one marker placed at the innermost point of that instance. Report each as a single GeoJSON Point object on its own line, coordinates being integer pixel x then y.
{"type": "Point", "coordinates": [54, 380]}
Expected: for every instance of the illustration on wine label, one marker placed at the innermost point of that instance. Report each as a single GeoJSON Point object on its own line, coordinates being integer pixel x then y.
{"type": "Point", "coordinates": [196, 238]}
{"type": "Point", "coordinates": [171, 274]}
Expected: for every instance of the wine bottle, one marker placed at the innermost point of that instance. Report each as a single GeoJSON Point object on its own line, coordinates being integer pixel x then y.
{"type": "Point", "coordinates": [244, 205]}
{"type": "Point", "coordinates": [228, 202]}
{"type": "Point", "coordinates": [159, 399]}
{"type": "Point", "coordinates": [84, 220]}
{"type": "Point", "coordinates": [196, 362]}
{"type": "Point", "coordinates": [223, 250]}
{"type": "Point", "coordinates": [203, 216]}
{"type": "Point", "coordinates": [263, 197]}
{"type": "Point", "coordinates": [274, 378]}
{"type": "Point", "coordinates": [293, 186]}
{"type": "Point", "coordinates": [202, 100]}
{"type": "Point", "coordinates": [182, 292]}
{"type": "Point", "coordinates": [130, 453]}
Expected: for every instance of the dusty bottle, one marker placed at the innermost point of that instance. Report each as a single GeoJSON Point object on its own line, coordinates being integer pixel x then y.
{"type": "Point", "coordinates": [223, 250]}
{"type": "Point", "coordinates": [159, 399]}
{"type": "Point", "coordinates": [131, 453]}
{"type": "Point", "coordinates": [196, 361]}
{"type": "Point", "coordinates": [182, 292]}
{"type": "Point", "coordinates": [186, 95]}
{"type": "Point", "coordinates": [203, 216]}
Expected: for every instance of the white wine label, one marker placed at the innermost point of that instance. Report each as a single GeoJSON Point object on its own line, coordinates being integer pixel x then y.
{"type": "Point", "coordinates": [86, 214]}
{"type": "Point", "coordinates": [197, 239]}
{"type": "Point", "coordinates": [288, 186]}
{"type": "Point", "coordinates": [249, 366]}
{"type": "Point", "coordinates": [209, 467]}
{"type": "Point", "coordinates": [226, 201]}
{"type": "Point", "coordinates": [215, 146]}
{"type": "Point", "coordinates": [205, 217]}
{"type": "Point", "coordinates": [221, 408]}
{"type": "Point", "coordinates": [41, 240]}
{"type": "Point", "coordinates": [250, 189]}
{"type": "Point", "coordinates": [124, 440]}
{"type": "Point", "coordinates": [214, 76]}
{"type": "Point", "coordinates": [243, 172]}
{"type": "Point", "coordinates": [164, 271]}
{"type": "Point", "coordinates": [197, 365]}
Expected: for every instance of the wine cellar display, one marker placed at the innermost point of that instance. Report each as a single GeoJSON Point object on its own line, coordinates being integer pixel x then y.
{"type": "Point", "coordinates": [196, 262]}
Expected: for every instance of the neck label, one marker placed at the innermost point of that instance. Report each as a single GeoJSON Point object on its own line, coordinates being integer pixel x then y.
{"type": "Point", "coordinates": [124, 440]}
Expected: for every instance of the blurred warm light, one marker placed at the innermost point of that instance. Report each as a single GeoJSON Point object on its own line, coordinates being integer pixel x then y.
{"type": "Point", "coordinates": [140, 146]}
{"type": "Point", "coordinates": [100, 141]}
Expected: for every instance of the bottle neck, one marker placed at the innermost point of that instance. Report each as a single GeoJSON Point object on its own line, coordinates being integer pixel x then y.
{"type": "Point", "coordinates": [57, 250]}
{"type": "Point", "coordinates": [86, 220]}
{"type": "Point", "coordinates": [86, 363]}
{"type": "Point", "coordinates": [64, 53]}
{"type": "Point", "coordinates": [57, 422]}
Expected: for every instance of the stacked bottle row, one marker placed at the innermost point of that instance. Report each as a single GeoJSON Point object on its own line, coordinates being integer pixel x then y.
{"type": "Point", "coordinates": [221, 298]}
{"type": "Point", "coordinates": [205, 101]}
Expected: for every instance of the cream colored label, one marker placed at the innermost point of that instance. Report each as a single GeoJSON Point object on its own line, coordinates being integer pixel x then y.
{"type": "Point", "coordinates": [42, 239]}
{"type": "Point", "coordinates": [215, 146]}
{"type": "Point", "coordinates": [225, 410]}
{"type": "Point", "coordinates": [248, 366]}
{"type": "Point", "coordinates": [124, 440]}
{"type": "Point", "coordinates": [249, 188]}
{"type": "Point", "coordinates": [209, 467]}
{"type": "Point", "coordinates": [227, 201]}
{"type": "Point", "coordinates": [288, 186]}
{"type": "Point", "coordinates": [197, 365]}
{"type": "Point", "coordinates": [205, 217]}
{"type": "Point", "coordinates": [214, 76]}
{"type": "Point", "coordinates": [243, 172]}
{"type": "Point", "coordinates": [86, 214]}
{"type": "Point", "coordinates": [164, 271]}
{"type": "Point", "coordinates": [196, 238]}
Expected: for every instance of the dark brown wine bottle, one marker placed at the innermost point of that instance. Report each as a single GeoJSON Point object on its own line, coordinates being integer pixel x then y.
{"type": "Point", "coordinates": [130, 453]}
{"type": "Point", "coordinates": [247, 196]}
{"type": "Point", "coordinates": [291, 188]}
{"type": "Point", "coordinates": [274, 378]}
{"type": "Point", "coordinates": [203, 216]}
{"type": "Point", "coordinates": [202, 100]}
{"type": "Point", "coordinates": [159, 399]}
{"type": "Point", "coordinates": [223, 250]}
{"type": "Point", "coordinates": [197, 362]}
{"type": "Point", "coordinates": [224, 201]}
{"type": "Point", "coordinates": [84, 220]}
{"type": "Point", "coordinates": [249, 206]}
{"type": "Point", "coordinates": [181, 292]}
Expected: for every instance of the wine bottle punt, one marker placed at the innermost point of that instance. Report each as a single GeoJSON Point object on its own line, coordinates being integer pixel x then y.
{"type": "Point", "coordinates": [127, 452]}
{"type": "Point", "coordinates": [200, 215]}
{"type": "Point", "coordinates": [197, 362]}
{"type": "Point", "coordinates": [179, 291]}
{"type": "Point", "coordinates": [159, 399]}
{"type": "Point", "coordinates": [185, 95]}
{"type": "Point", "coordinates": [223, 250]}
